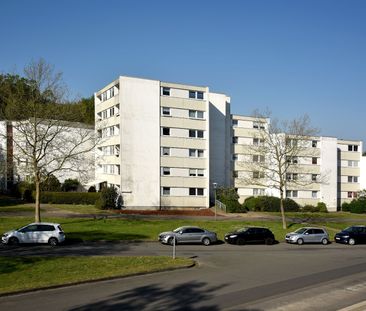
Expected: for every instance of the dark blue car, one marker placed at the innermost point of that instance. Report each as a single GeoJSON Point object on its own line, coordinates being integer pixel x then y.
{"type": "Point", "coordinates": [352, 235]}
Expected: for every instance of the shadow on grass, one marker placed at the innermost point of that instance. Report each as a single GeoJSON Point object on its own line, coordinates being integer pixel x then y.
{"type": "Point", "coordinates": [9, 201]}
{"type": "Point", "coordinates": [99, 235]}
{"type": "Point", "coordinates": [12, 264]}
{"type": "Point", "coordinates": [188, 296]}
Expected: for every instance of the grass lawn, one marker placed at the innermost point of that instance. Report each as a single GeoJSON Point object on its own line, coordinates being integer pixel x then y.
{"type": "Point", "coordinates": [314, 216]}
{"type": "Point", "coordinates": [25, 273]}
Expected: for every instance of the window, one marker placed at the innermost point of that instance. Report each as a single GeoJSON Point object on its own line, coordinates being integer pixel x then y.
{"type": "Point", "coordinates": [235, 140]}
{"type": "Point", "coordinates": [314, 160]}
{"type": "Point", "coordinates": [349, 194]}
{"type": "Point", "coordinates": [291, 142]}
{"type": "Point", "coordinates": [291, 176]}
{"type": "Point", "coordinates": [196, 172]}
{"type": "Point", "coordinates": [166, 91]}
{"type": "Point", "coordinates": [166, 131]}
{"type": "Point", "coordinates": [314, 194]}
{"type": "Point", "coordinates": [195, 133]}
{"type": "Point", "coordinates": [235, 122]}
{"type": "Point", "coordinates": [196, 114]}
{"type": "Point", "coordinates": [291, 160]}
{"type": "Point", "coordinates": [258, 125]}
{"type": "Point", "coordinates": [258, 175]}
{"type": "Point", "coordinates": [235, 157]}
{"type": "Point", "coordinates": [166, 190]}
{"type": "Point", "coordinates": [166, 171]}
{"type": "Point", "coordinates": [352, 147]}
{"type": "Point", "coordinates": [314, 177]}
{"type": "Point", "coordinates": [291, 193]}
{"type": "Point", "coordinates": [258, 158]}
{"type": "Point", "coordinates": [200, 173]}
{"type": "Point", "coordinates": [353, 163]}
{"type": "Point", "coordinates": [258, 191]}
{"type": "Point", "coordinates": [258, 142]}
{"type": "Point", "coordinates": [165, 151]}
{"type": "Point", "coordinates": [196, 191]}
{"type": "Point", "coordinates": [353, 179]}
{"type": "Point", "coordinates": [196, 95]}
{"type": "Point", "coordinates": [196, 153]}
{"type": "Point", "coordinates": [166, 111]}
{"type": "Point", "coordinates": [235, 174]}
{"type": "Point", "coordinates": [314, 143]}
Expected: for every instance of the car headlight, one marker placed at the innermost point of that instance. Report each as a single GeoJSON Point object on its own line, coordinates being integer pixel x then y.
{"type": "Point", "coordinates": [233, 236]}
{"type": "Point", "coordinates": [346, 236]}
{"type": "Point", "coordinates": [5, 235]}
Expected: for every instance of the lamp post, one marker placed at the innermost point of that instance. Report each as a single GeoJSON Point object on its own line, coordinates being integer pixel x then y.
{"type": "Point", "coordinates": [215, 186]}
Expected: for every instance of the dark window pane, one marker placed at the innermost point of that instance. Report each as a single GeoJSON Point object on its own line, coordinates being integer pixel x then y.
{"type": "Point", "coordinates": [199, 95]}
{"type": "Point", "coordinates": [192, 94]}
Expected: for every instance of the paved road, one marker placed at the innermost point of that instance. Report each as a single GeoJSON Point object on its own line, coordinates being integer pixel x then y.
{"type": "Point", "coordinates": [250, 277]}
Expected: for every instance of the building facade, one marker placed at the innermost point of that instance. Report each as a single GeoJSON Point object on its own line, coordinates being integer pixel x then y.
{"type": "Point", "coordinates": [159, 141]}
{"type": "Point", "coordinates": [166, 145]}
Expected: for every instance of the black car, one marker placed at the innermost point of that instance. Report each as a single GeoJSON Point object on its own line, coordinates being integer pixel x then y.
{"type": "Point", "coordinates": [351, 235]}
{"type": "Point", "coordinates": [250, 235]}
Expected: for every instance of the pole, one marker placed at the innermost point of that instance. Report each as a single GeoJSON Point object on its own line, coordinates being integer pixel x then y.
{"type": "Point", "coordinates": [215, 206]}
{"type": "Point", "coordinates": [173, 247]}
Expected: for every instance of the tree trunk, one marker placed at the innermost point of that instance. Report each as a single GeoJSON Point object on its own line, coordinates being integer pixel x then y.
{"type": "Point", "coordinates": [284, 225]}
{"type": "Point", "coordinates": [38, 203]}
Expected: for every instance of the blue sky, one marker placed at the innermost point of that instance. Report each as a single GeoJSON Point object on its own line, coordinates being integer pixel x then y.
{"type": "Point", "coordinates": [293, 57]}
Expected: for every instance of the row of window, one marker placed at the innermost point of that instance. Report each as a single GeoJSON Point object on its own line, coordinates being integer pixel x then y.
{"type": "Point", "coordinates": [166, 131]}
{"type": "Point", "coordinates": [193, 114]}
{"type": "Point", "coordinates": [112, 169]}
{"type": "Point", "coordinates": [107, 113]}
{"type": "Point", "coordinates": [110, 150]}
{"type": "Point", "coordinates": [107, 94]}
{"type": "Point", "coordinates": [166, 91]}
{"type": "Point", "coordinates": [352, 147]}
{"type": "Point", "coordinates": [192, 191]}
{"type": "Point", "coordinates": [108, 131]}
{"type": "Point", "coordinates": [260, 141]}
{"type": "Point", "coordinates": [192, 172]}
{"type": "Point", "coordinates": [193, 153]}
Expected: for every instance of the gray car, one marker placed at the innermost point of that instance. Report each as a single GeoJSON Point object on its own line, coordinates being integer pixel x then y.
{"type": "Point", "coordinates": [308, 235]}
{"type": "Point", "coordinates": [188, 234]}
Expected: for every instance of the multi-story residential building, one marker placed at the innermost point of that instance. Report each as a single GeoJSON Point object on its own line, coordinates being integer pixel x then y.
{"type": "Point", "coordinates": [163, 144]}
{"type": "Point", "coordinates": [329, 167]}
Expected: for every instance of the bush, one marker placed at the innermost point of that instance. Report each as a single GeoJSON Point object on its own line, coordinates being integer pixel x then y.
{"type": "Point", "coordinates": [358, 206]}
{"type": "Point", "coordinates": [345, 207]}
{"type": "Point", "coordinates": [51, 184]}
{"type": "Point", "coordinates": [70, 185]}
{"type": "Point", "coordinates": [89, 198]}
{"type": "Point", "coordinates": [24, 191]}
{"type": "Point", "coordinates": [270, 204]}
{"type": "Point", "coordinates": [230, 198]}
{"type": "Point", "coordinates": [109, 199]}
{"type": "Point", "coordinates": [92, 189]}
{"type": "Point", "coordinates": [322, 207]}
{"type": "Point", "coordinates": [308, 208]}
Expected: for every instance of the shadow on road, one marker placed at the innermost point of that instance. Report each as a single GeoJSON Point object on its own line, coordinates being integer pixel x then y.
{"type": "Point", "coordinates": [187, 296]}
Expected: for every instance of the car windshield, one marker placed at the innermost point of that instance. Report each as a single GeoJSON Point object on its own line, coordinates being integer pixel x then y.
{"type": "Point", "coordinates": [349, 229]}
{"type": "Point", "coordinates": [178, 229]}
{"type": "Point", "coordinates": [242, 230]}
{"type": "Point", "coordinates": [301, 230]}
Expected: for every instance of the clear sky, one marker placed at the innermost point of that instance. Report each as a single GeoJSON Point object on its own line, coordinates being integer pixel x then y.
{"type": "Point", "coordinates": [293, 57]}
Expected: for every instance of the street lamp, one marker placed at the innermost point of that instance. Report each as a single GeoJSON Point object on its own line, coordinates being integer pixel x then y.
{"type": "Point", "coordinates": [215, 187]}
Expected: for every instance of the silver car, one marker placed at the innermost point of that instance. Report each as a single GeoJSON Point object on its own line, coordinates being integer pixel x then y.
{"type": "Point", "coordinates": [308, 235]}
{"type": "Point", "coordinates": [41, 232]}
{"type": "Point", "coordinates": [188, 234]}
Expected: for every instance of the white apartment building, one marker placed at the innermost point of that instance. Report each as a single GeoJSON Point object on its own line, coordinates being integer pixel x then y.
{"type": "Point", "coordinates": [332, 167]}
{"type": "Point", "coordinates": [162, 144]}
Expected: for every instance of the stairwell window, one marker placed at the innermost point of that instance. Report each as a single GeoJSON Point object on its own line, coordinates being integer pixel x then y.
{"type": "Point", "coordinates": [166, 131]}
{"type": "Point", "coordinates": [166, 191]}
{"type": "Point", "coordinates": [166, 111]}
{"type": "Point", "coordinates": [166, 91]}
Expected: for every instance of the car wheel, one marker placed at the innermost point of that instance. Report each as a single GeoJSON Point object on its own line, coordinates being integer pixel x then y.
{"type": "Point", "coordinates": [268, 241]}
{"type": "Point", "coordinates": [351, 241]}
{"type": "Point", "coordinates": [53, 241]}
{"type": "Point", "coordinates": [13, 241]}
{"type": "Point", "coordinates": [206, 241]}
{"type": "Point", "coordinates": [300, 241]}
{"type": "Point", "coordinates": [325, 241]}
{"type": "Point", "coordinates": [240, 241]}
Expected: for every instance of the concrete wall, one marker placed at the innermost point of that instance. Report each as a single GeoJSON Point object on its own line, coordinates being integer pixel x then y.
{"type": "Point", "coordinates": [140, 142]}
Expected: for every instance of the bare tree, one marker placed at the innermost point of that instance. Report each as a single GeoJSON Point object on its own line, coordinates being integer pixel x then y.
{"type": "Point", "coordinates": [272, 161]}
{"type": "Point", "coordinates": [43, 141]}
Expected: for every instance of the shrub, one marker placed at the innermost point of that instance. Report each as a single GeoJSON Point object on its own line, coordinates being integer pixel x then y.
{"type": "Point", "coordinates": [345, 207]}
{"type": "Point", "coordinates": [322, 207]}
{"type": "Point", "coordinates": [309, 208]}
{"type": "Point", "coordinates": [92, 189]}
{"type": "Point", "coordinates": [69, 197]}
{"type": "Point", "coordinates": [230, 198]}
{"type": "Point", "coordinates": [24, 191]}
{"type": "Point", "coordinates": [358, 206]}
{"type": "Point", "coordinates": [270, 204]}
{"type": "Point", "coordinates": [51, 184]}
{"type": "Point", "coordinates": [70, 185]}
{"type": "Point", "coordinates": [108, 199]}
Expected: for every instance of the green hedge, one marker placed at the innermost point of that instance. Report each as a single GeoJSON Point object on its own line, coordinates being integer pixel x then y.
{"type": "Point", "coordinates": [87, 198]}
{"type": "Point", "coordinates": [358, 206]}
{"type": "Point", "coordinates": [269, 204]}
{"type": "Point", "coordinates": [230, 198]}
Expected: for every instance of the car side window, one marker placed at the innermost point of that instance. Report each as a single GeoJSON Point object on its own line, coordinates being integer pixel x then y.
{"type": "Point", "coordinates": [196, 230]}
{"type": "Point", "coordinates": [309, 231]}
{"type": "Point", "coordinates": [318, 231]}
{"type": "Point", "coordinates": [45, 228]}
{"type": "Point", "coordinates": [30, 228]}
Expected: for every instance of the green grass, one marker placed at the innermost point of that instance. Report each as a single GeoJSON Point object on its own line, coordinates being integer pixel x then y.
{"type": "Point", "coordinates": [25, 273]}
{"type": "Point", "coordinates": [314, 216]}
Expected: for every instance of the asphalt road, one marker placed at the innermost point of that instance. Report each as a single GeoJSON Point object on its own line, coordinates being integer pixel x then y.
{"type": "Point", "coordinates": [227, 277]}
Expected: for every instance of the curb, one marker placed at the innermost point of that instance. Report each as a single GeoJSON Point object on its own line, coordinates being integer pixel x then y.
{"type": "Point", "coordinates": [356, 307]}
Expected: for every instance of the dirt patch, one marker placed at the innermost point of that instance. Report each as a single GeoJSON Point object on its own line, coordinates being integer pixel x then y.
{"type": "Point", "coordinates": [198, 212]}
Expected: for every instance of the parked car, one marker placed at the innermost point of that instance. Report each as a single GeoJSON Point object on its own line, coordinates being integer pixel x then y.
{"type": "Point", "coordinates": [308, 235]}
{"type": "Point", "coordinates": [250, 235]}
{"type": "Point", "coordinates": [351, 235]}
{"type": "Point", "coordinates": [188, 234]}
{"type": "Point", "coordinates": [42, 232]}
